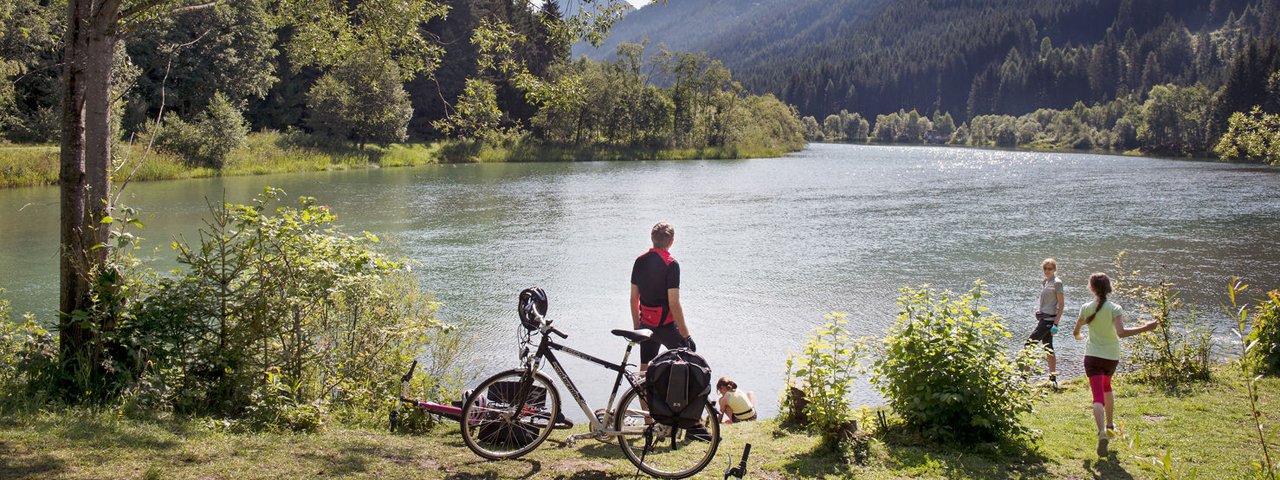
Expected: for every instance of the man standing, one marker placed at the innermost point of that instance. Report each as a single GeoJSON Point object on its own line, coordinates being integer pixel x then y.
{"type": "Point", "coordinates": [655, 296]}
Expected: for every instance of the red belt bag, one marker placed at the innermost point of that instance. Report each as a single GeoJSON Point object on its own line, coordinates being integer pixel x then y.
{"type": "Point", "coordinates": [654, 316]}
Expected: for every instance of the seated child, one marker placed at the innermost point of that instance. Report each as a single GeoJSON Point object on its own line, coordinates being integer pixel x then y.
{"type": "Point", "coordinates": [735, 406]}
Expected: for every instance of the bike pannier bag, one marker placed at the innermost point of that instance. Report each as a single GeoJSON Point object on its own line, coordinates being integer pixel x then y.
{"type": "Point", "coordinates": [677, 385]}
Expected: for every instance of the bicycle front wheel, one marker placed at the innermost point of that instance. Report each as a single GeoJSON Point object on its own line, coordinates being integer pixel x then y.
{"type": "Point", "coordinates": [495, 429]}
{"type": "Point", "coordinates": [660, 450]}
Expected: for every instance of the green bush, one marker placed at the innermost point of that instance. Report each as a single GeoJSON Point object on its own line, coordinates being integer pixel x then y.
{"type": "Point", "coordinates": [1181, 348]}
{"type": "Point", "coordinates": [28, 354]}
{"type": "Point", "coordinates": [279, 319]}
{"type": "Point", "coordinates": [1263, 356]}
{"type": "Point", "coordinates": [826, 371]}
{"type": "Point", "coordinates": [218, 130]}
{"type": "Point", "coordinates": [945, 368]}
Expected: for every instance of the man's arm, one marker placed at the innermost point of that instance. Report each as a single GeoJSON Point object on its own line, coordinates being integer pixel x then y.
{"type": "Point", "coordinates": [635, 307]}
{"type": "Point", "coordinates": [677, 311]}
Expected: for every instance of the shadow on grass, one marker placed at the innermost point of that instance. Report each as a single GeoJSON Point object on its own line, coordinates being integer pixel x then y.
{"type": "Point", "coordinates": [535, 468]}
{"type": "Point", "coordinates": [15, 465]}
{"type": "Point", "coordinates": [1108, 468]}
{"type": "Point", "coordinates": [1013, 458]}
{"type": "Point", "coordinates": [99, 431]}
{"type": "Point", "coordinates": [916, 455]}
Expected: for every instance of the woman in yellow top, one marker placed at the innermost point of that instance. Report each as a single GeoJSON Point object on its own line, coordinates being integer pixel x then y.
{"type": "Point", "coordinates": [735, 406]}
{"type": "Point", "coordinates": [1102, 353]}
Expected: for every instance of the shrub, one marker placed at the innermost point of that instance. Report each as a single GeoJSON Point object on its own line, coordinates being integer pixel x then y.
{"type": "Point", "coordinates": [1263, 356]}
{"type": "Point", "coordinates": [945, 369]}
{"type": "Point", "coordinates": [279, 318]}
{"type": "Point", "coordinates": [218, 130]}
{"type": "Point", "coordinates": [825, 371]}
{"type": "Point", "coordinates": [28, 354]}
{"type": "Point", "coordinates": [1181, 349]}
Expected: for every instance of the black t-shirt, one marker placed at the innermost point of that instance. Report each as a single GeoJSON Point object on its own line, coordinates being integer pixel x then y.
{"type": "Point", "coordinates": [654, 273]}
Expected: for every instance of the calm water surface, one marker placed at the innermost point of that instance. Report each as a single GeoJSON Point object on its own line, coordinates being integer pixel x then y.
{"type": "Point", "coordinates": [767, 246]}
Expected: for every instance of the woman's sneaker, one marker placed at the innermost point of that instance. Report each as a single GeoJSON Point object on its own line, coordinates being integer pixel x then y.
{"type": "Point", "coordinates": [1102, 446]}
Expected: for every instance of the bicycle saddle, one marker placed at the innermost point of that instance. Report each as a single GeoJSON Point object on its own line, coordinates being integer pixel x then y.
{"type": "Point", "coordinates": [632, 335]}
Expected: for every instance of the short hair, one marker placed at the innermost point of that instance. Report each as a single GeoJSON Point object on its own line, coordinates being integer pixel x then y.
{"type": "Point", "coordinates": [1049, 262]}
{"type": "Point", "coordinates": [663, 234]}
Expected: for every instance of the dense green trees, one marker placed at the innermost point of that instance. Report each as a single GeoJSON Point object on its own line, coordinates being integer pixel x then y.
{"type": "Point", "coordinates": [613, 103]}
{"type": "Point", "coordinates": [361, 100]}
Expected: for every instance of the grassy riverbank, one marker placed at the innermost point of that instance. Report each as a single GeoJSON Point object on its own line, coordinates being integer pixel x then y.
{"type": "Point", "coordinates": [1205, 428]}
{"type": "Point", "coordinates": [270, 152]}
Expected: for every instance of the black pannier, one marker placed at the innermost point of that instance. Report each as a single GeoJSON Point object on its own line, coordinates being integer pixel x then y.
{"type": "Point", "coordinates": [678, 384]}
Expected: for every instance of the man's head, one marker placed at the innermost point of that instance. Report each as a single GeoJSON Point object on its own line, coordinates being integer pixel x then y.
{"type": "Point", "coordinates": [663, 235]}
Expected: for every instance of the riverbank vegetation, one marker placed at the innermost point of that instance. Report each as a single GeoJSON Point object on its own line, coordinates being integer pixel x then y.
{"type": "Point", "coordinates": [505, 90]}
{"type": "Point", "coordinates": [1172, 120]}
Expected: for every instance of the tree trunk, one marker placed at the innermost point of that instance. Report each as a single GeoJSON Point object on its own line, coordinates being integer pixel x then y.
{"type": "Point", "coordinates": [84, 177]}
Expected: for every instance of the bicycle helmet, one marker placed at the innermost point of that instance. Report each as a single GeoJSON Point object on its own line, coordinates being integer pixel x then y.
{"type": "Point", "coordinates": [532, 307]}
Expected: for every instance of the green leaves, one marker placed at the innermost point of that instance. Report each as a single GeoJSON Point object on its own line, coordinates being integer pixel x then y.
{"type": "Point", "coordinates": [944, 367]}
{"type": "Point", "coordinates": [826, 372]}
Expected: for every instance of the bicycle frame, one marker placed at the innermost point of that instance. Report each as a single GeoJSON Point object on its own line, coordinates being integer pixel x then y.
{"type": "Point", "coordinates": [545, 351]}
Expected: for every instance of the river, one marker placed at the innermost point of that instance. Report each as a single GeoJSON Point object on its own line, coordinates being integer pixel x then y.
{"type": "Point", "coordinates": [766, 246]}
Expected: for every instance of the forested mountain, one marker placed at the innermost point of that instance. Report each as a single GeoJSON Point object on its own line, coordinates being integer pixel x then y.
{"type": "Point", "coordinates": [967, 57]}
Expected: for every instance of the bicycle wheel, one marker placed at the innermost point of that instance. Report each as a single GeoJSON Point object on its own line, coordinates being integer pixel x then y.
{"type": "Point", "coordinates": [493, 429]}
{"type": "Point", "coordinates": [662, 451]}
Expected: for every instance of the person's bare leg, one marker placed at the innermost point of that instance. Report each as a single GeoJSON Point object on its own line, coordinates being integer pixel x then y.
{"type": "Point", "coordinates": [1053, 363]}
{"type": "Point", "coordinates": [1102, 429]}
{"type": "Point", "coordinates": [1110, 406]}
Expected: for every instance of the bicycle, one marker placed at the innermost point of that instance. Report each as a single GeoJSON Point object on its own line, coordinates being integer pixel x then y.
{"type": "Point", "coordinates": [510, 413]}
{"type": "Point", "coordinates": [435, 410]}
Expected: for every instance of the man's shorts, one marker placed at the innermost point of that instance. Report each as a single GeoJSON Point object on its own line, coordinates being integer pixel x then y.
{"type": "Point", "coordinates": [1044, 333]}
{"type": "Point", "coordinates": [667, 335]}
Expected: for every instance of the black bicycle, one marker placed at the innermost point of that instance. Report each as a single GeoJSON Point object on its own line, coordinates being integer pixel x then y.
{"type": "Point", "coordinates": [511, 413]}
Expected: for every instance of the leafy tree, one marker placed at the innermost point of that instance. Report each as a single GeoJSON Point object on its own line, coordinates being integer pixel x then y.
{"type": "Point", "coordinates": [476, 112]}
{"type": "Point", "coordinates": [812, 129]}
{"type": "Point", "coordinates": [1252, 136]}
{"type": "Point", "coordinates": [29, 83]}
{"type": "Point", "coordinates": [833, 128]}
{"type": "Point", "coordinates": [1175, 119]}
{"type": "Point", "coordinates": [943, 126]}
{"type": "Point", "coordinates": [856, 128]}
{"type": "Point", "coordinates": [326, 33]}
{"type": "Point", "coordinates": [227, 50]}
{"type": "Point", "coordinates": [361, 101]}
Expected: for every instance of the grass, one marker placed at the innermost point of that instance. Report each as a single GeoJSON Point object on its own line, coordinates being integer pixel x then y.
{"type": "Point", "coordinates": [274, 152]}
{"type": "Point", "coordinates": [1206, 429]}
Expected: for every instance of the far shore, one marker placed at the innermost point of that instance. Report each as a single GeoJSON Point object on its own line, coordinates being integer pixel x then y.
{"type": "Point", "coordinates": [25, 165]}
{"type": "Point", "coordinates": [269, 152]}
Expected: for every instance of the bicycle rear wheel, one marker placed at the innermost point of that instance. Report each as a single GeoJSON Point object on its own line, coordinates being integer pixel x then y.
{"type": "Point", "coordinates": [663, 451]}
{"type": "Point", "coordinates": [491, 425]}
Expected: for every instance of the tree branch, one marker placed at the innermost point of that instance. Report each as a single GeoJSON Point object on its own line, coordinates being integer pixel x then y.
{"type": "Point", "coordinates": [143, 7]}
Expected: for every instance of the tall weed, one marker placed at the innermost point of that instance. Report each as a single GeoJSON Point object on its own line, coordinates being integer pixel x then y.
{"type": "Point", "coordinates": [826, 371]}
{"type": "Point", "coordinates": [1267, 467]}
{"type": "Point", "coordinates": [1181, 349]}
